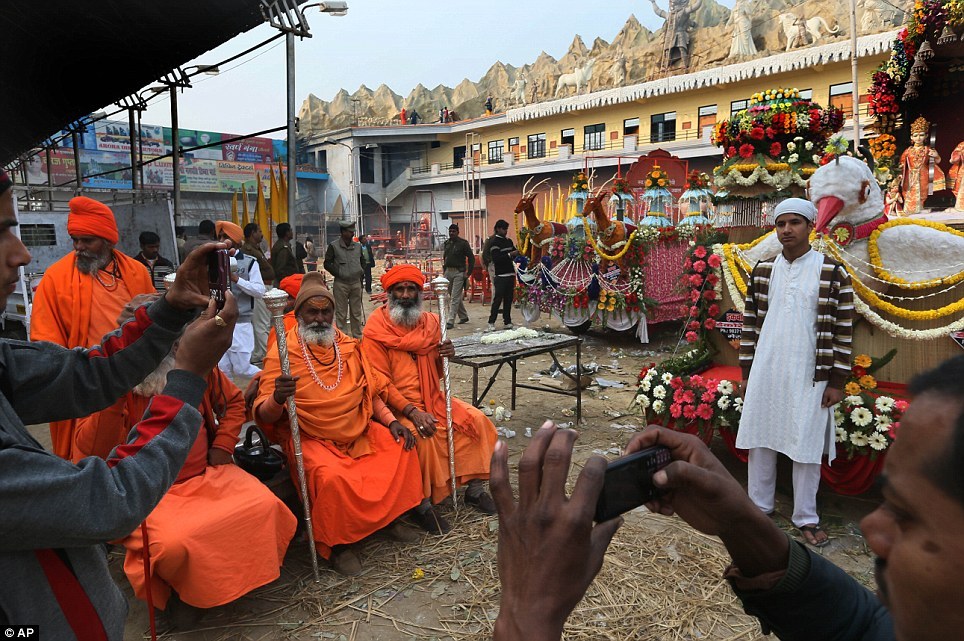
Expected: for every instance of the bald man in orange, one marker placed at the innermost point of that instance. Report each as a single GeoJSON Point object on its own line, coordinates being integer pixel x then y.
{"type": "Point", "coordinates": [404, 344]}
{"type": "Point", "coordinates": [82, 294]}
{"type": "Point", "coordinates": [361, 472]}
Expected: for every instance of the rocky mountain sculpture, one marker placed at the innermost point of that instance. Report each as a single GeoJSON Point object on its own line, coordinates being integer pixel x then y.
{"type": "Point", "coordinates": [717, 36]}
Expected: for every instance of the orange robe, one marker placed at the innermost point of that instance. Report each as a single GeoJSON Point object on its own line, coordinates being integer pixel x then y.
{"type": "Point", "coordinates": [74, 309]}
{"type": "Point", "coordinates": [219, 532]}
{"type": "Point", "coordinates": [359, 479]}
{"type": "Point", "coordinates": [390, 349]}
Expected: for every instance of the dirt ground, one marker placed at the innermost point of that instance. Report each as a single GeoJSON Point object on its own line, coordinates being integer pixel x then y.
{"type": "Point", "coordinates": [661, 579]}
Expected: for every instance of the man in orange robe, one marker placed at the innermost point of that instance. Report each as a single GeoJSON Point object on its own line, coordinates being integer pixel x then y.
{"type": "Point", "coordinates": [219, 532]}
{"type": "Point", "coordinates": [360, 468]}
{"type": "Point", "coordinates": [404, 344]}
{"type": "Point", "coordinates": [81, 295]}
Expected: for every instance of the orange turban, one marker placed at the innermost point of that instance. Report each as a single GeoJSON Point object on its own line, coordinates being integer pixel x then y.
{"type": "Point", "coordinates": [229, 229]}
{"type": "Point", "coordinates": [291, 284]}
{"type": "Point", "coordinates": [89, 217]}
{"type": "Point", "coordinates": [403, 274]}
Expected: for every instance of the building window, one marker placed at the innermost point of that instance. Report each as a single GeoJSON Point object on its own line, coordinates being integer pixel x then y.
{"type": "Point", "coordinates": [514, 145]}
{"type": "Point", "coordinates": [366, 165]}
{"type": "Point", "coordinates": [842, 97]}
{"type": "Point", "coordinates": [38, 235]}
{"type": "Point", "coordinates": [706, 118]}
{"type": "Point", "coordinates": [458, 157]}
{"type": "Point", "coordinates": [631, 127]}
{"type": "Point", "coordinates": [738, 105]}
{"type": "Point", "coordinates": [806, 94]}
{"type": "Point", "coordinates": [496, 150]}
{"type": "Point", "coordinates": [536, 146]}
{"type": "Point", "coordinates": [662, 127]}
{"type": "Point", "coordinates": [594, 136]}
{"type": "Point", "coordinates": [568, 137]}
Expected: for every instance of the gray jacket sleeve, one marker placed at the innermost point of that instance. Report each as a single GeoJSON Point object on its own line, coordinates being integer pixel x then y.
{"type": "Point", "coordinates": [48, 502]}
{"type": "Point", "coordinates": [46, 382]}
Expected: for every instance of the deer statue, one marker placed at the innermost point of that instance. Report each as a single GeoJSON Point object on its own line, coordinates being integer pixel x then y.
{"type": "Point", "coordinates": [540, 233]}
{"type": "Point", "coordinates": [613, 234]}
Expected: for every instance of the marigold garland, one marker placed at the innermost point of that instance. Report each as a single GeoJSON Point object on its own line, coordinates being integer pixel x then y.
{"type": "Point", "coordinates": [907, 314]}
{"type": "Point", "coordinates": [886, 276]}
{"type": "Point", "coordinates": [599, 252]}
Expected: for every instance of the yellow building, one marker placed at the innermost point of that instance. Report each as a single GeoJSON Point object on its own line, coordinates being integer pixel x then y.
{"type": "Point", "coordinates": [472, 172]}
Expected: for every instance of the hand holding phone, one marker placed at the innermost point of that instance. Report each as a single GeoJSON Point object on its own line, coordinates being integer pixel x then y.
{"type": "Point", "coordinates": [629, 482]}
{"type": "Point", "coordinates": [219, 268]}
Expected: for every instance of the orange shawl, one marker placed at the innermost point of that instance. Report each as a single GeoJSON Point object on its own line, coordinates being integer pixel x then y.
{"type": "Point", "coordinates": [62, 307]}
{"type": "Point", "coordinates": [340, 416]}
{"type": "Point", "coordinates": [422, 341]}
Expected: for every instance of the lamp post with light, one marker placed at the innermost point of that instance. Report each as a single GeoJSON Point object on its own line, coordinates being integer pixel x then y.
{"type": "Point", "coordinates": [289, 18]}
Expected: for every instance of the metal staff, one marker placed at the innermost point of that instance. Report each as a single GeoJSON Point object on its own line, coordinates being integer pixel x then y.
{"type": "Point", "coordinates": [440, 286]}
{"type": "Point", "coordinates": [275, 300]}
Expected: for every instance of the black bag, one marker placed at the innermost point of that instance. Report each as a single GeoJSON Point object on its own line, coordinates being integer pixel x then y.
{"type": "Point", "coordinates": [258, 459]}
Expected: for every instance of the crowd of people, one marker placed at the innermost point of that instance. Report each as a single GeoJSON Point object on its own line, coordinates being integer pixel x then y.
{"type": "Point", "coordinates": [136, 383]}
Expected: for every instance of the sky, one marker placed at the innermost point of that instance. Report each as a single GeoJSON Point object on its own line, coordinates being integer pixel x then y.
{"type": "Point", "coordinates": [399, 44]}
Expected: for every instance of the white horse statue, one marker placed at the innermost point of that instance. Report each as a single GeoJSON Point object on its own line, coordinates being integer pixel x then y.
{"type": "Point", "coordinates": [795, 28]}
{"type": "Point", "coordinates": [577, 79]}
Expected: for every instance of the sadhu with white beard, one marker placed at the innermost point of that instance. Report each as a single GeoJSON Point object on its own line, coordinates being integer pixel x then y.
{"type": "Point", "coordinates": [214, 509]}
{"type": "Point", "coordinates": [404, 343]}
{"type": "Point", "coordinates": [360, 466]}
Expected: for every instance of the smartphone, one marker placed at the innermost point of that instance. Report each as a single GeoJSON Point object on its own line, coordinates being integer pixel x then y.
{"type": "Point", "coordinates": [219, 266]}
{"type": "Point", "coordinates": [629, 482]}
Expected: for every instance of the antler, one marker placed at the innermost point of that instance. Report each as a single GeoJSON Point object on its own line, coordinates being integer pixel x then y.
{"type": "Point", "coordinates": [604, 185]}
{"type": "Point", "coordinates": [528, 192]}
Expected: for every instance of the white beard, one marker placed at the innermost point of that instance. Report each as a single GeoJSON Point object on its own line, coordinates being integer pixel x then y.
{"type": "Point", "coordinates": [404, 316]}
{"type": "Point", "coordinates": [90, 263]}
{"type": "Point", "coordinates": [317, 333]}
{"type": "Point", "coordinates": [156, 380]}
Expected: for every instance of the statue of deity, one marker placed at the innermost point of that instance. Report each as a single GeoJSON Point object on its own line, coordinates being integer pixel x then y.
{"type": "Point", "coordinates": [741, 18]}
{"type": "Point", "coordinates": [676, 39]}
{"type": "Point", "coordinates": [916, 164]}
{"type": "Point", "coordinates": [957, 176]}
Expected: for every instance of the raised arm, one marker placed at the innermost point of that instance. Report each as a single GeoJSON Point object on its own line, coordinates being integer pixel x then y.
{"type": "Point", "coordinates": [128, 485]}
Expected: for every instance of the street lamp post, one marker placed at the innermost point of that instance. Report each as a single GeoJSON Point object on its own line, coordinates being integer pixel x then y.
{"type": "Point", "coordinates": [288, 17]}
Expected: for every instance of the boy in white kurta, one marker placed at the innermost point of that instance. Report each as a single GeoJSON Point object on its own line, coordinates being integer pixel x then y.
{"type": "Point", "coordinates": [797, 326]}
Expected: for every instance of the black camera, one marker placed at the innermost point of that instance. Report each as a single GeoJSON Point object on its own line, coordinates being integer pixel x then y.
{"type": "Point", "coordinates": [629, 482]}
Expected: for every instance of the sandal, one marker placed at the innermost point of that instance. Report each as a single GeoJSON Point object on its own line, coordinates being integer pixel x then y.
{"type": "Point", "coordinates": [811, 534]}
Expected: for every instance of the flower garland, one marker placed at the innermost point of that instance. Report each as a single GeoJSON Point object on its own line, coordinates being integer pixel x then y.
{"type": "Point", "coordinates": [886, 276]}
{"type": "Point", "coordinates": [895, 330]}
{"type": "Point", "coordinates": [599, 252]}
{"type": "Point", "coordinates": [701, 277]}
{"type": "Point", "coordinates": [907, 314]}
{"type": "Point", "coordinates": [508, 335]}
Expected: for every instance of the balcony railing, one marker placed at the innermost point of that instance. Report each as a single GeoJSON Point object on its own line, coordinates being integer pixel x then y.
{"type": "Point", "coordinates": [683, 135]}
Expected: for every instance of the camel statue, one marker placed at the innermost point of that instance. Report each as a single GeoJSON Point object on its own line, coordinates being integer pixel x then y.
{"type": "Point", "coordinates": [540, 233]}
{"type": "Point", "coordinates": [613, 234]}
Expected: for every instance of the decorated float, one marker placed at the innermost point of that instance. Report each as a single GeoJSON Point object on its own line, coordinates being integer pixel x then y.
{"type": "Point", "coordinates": [611, 257]}
{"type": "Point", "coordinates": [907, 268]}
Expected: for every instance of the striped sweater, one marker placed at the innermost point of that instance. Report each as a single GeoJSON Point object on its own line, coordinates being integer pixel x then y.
{"type": "Point", "coordinates": [835, 315]}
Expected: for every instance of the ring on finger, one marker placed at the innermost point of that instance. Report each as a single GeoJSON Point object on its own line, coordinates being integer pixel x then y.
{"type": "Point", "coordinates": [220, 322]}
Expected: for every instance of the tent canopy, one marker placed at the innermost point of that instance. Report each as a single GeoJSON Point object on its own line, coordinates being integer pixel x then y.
{"type": "Point", "coordinates": [64, 59]}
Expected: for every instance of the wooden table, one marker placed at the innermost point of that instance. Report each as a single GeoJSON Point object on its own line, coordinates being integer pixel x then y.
{"type": "Point", "coordinates": [471, 352]}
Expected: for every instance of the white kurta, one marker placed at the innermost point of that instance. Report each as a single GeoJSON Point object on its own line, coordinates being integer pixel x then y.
{"type": "Point", "coordinates": [782, 409]}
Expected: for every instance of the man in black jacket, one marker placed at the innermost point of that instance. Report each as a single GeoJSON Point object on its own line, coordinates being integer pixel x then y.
{"type": "Point", "coordinates": [797, 594]}
{"type": "Point", "coordinates": [499, 250]}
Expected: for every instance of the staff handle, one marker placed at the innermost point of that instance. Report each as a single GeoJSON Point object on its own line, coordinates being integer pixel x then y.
{"type": "Point", "coordinates": [275, 301]}
{"type": "Point", "coordinates": [440, 286]}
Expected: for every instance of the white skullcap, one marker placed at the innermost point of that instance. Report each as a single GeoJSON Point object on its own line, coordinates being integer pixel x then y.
{"type": "Point", "coordinates": [799, 206]}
